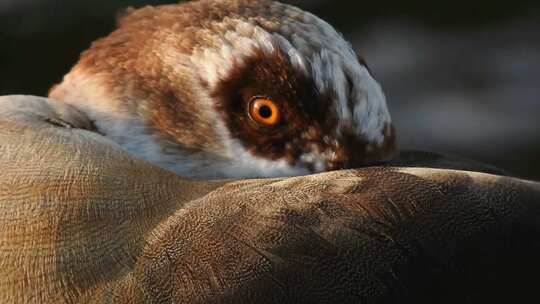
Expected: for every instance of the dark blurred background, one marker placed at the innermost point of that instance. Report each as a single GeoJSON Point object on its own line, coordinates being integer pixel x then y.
{"type": "Point", "coordinates": [461, 78]}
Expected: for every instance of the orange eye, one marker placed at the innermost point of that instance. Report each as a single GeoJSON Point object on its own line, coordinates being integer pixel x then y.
{"type": "Point", "coordinates": [264, 111]}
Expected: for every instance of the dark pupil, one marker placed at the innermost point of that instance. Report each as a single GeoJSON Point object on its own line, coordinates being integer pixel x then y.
{"type": "Point", "coordinates": [265, 112]}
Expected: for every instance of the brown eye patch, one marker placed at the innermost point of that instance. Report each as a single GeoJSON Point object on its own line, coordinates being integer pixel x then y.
{"type": "Point", "coordinates": [271, 126]}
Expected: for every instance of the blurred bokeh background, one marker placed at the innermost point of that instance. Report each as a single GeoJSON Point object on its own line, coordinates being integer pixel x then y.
{"type": "Point", "coordinates": [461, 77]}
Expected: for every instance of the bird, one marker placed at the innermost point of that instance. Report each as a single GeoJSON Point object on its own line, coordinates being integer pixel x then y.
{"type": "Point", "coordinates": [83, 221]}
{"type": "Point", "coordinates": [112, 189]}
{"type": "Point", "coordinates": [232, 89]}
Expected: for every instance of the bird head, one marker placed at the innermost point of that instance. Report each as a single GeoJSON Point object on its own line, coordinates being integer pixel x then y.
{"type": "Point", "coordinates": [232, 88]}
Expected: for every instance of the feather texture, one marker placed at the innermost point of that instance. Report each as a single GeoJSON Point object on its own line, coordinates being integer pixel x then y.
{"type": "Point", "coordinates": [82, 221]}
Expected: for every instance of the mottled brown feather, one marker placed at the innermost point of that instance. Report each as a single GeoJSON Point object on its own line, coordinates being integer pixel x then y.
{"type": "Point", "coordinates": [81, 221]}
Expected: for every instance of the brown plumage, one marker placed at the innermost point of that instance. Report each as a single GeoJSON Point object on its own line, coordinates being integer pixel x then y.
{"type": "Point", "coordinates": [81, 221]}
{"type": "Point", "coordinates": [173, 84]}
